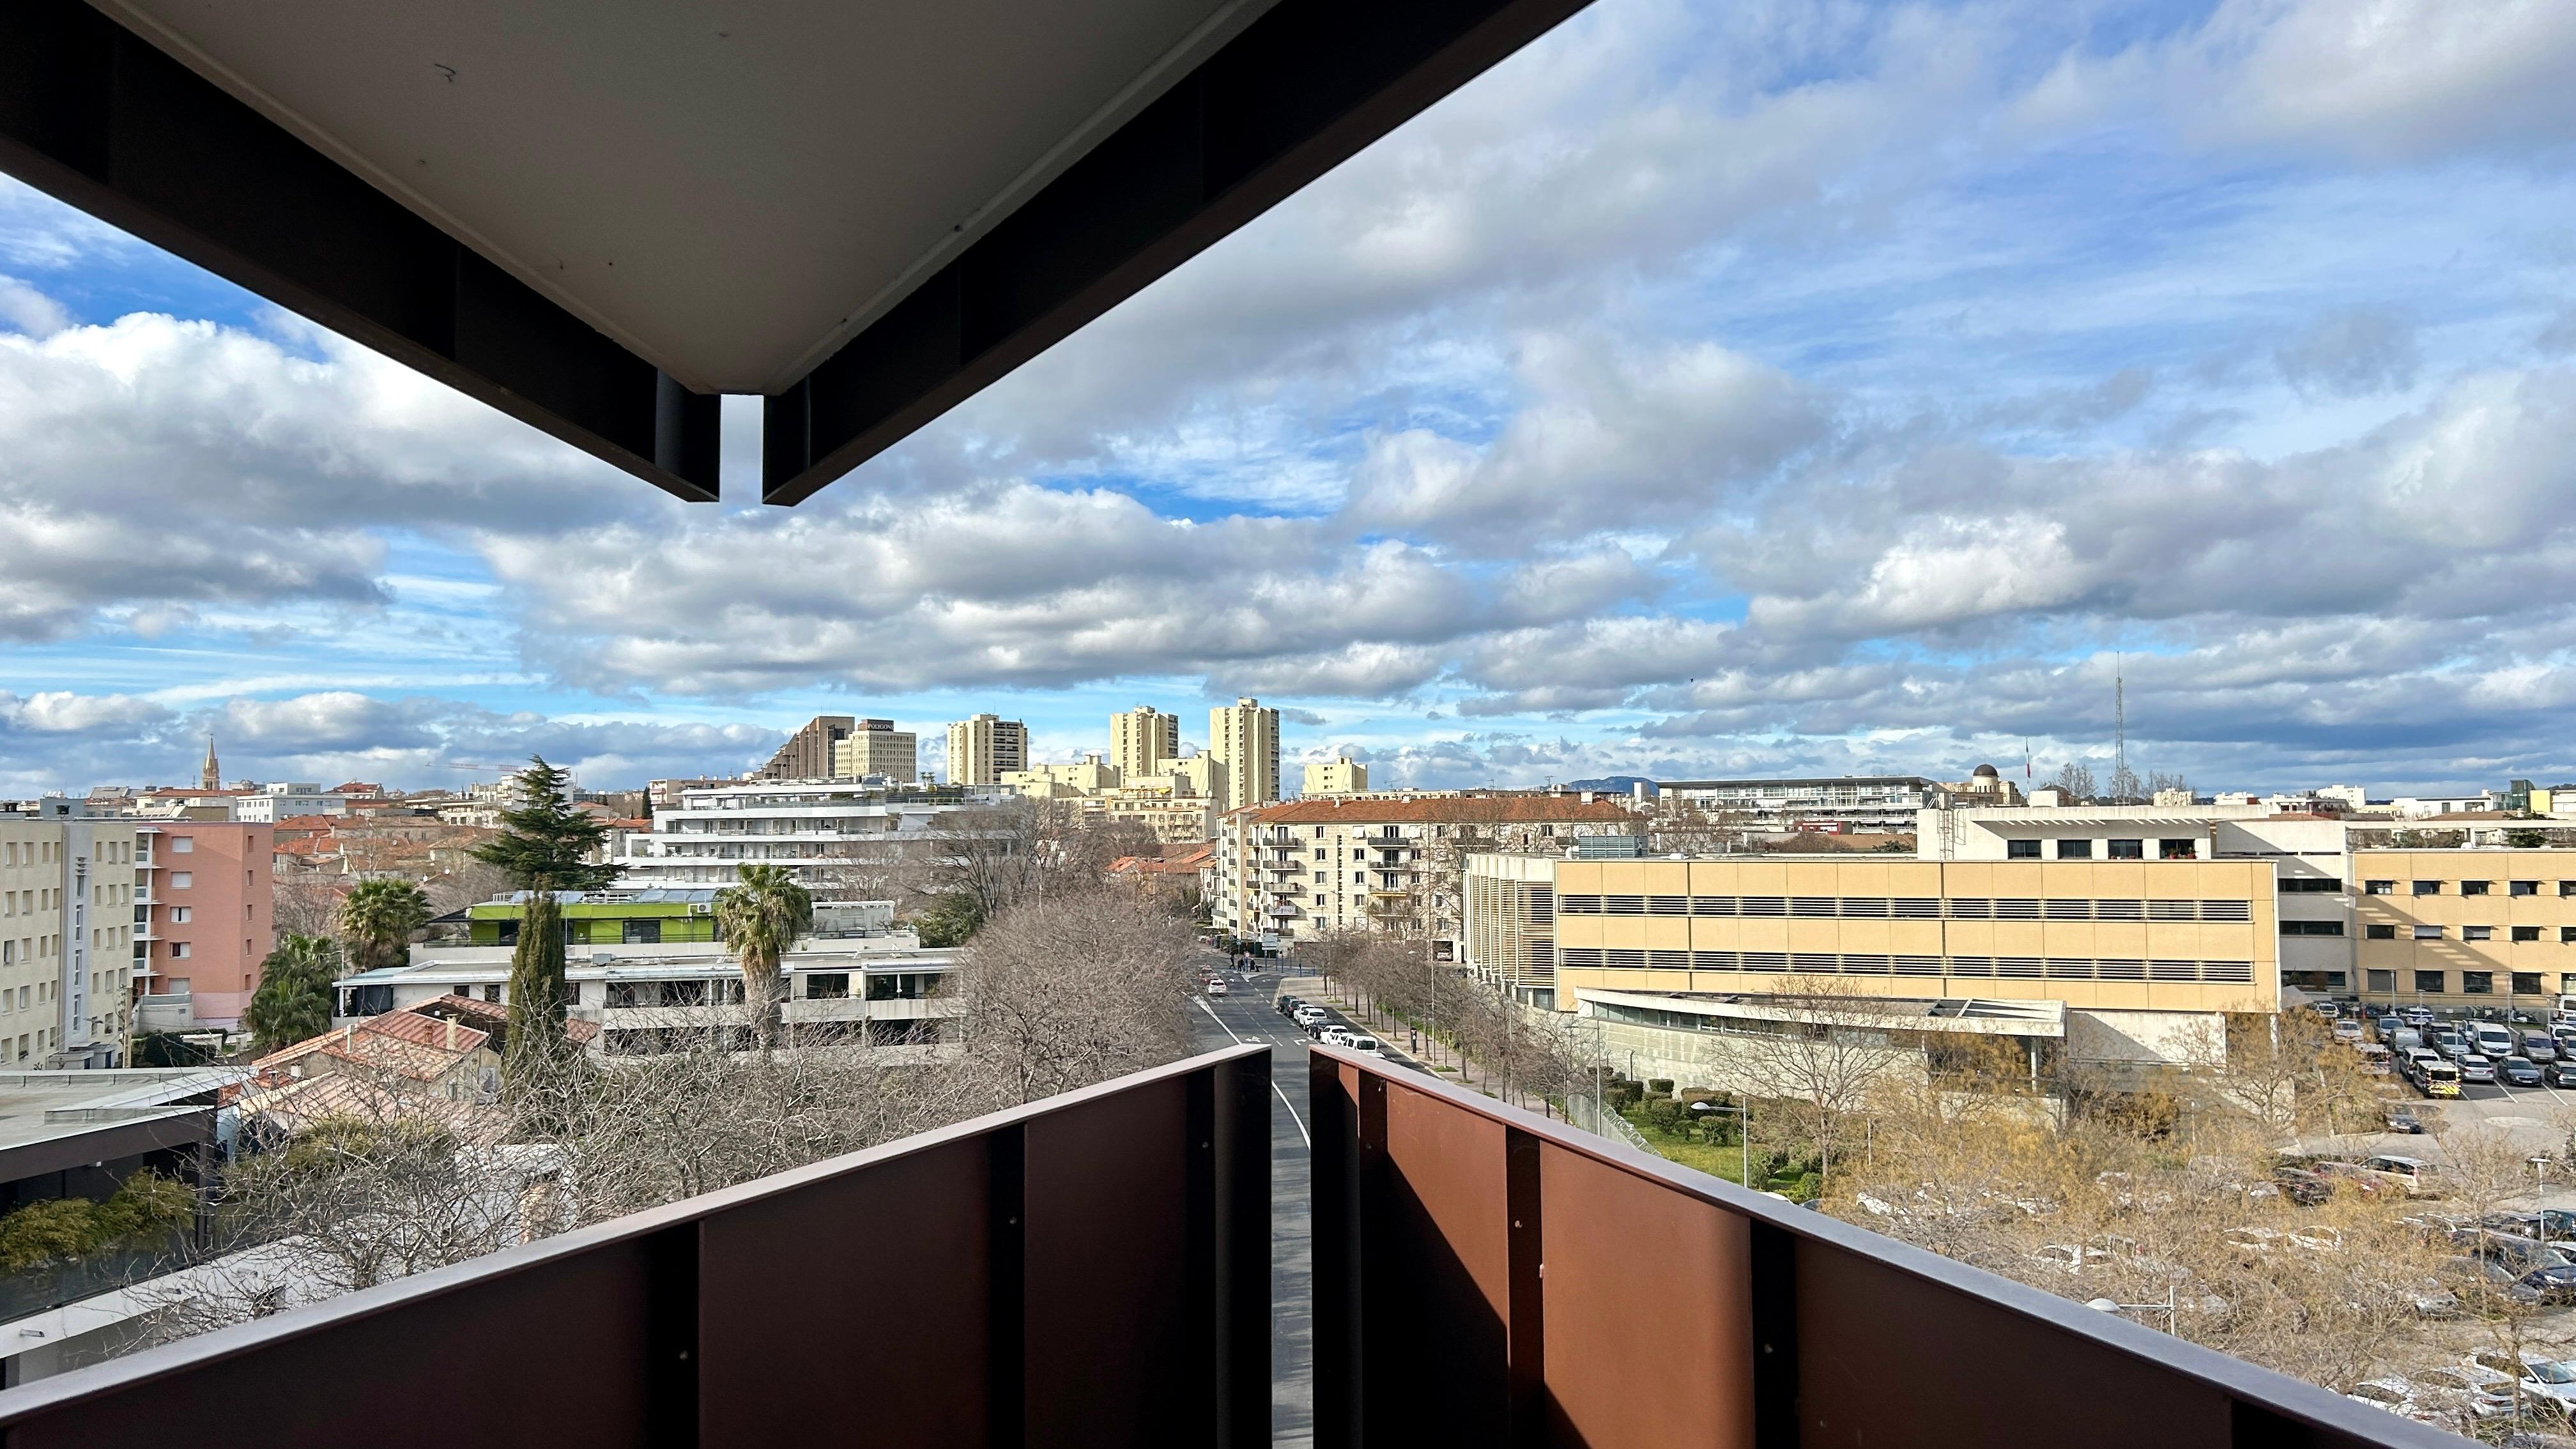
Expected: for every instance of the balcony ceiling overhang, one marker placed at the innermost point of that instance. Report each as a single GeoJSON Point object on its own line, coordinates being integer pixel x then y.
{"type": "Point", "coordinates": [599, 217]}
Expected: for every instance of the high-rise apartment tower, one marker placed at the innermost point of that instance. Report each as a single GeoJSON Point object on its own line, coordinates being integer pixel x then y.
{"type": "Point", "coordinates": [1246, 737]}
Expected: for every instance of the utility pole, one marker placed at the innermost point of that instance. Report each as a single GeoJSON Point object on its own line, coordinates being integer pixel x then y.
{"type": "Point", "coordinates": [2119, 729]}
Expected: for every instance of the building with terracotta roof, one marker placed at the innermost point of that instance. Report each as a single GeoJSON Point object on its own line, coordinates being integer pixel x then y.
{"type": "Point", "coordinates": [1306, 868]}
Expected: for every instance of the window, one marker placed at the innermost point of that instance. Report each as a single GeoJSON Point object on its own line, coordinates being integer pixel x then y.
{"type": "Point", "coordinates": [180, 879]}
{"type": "Point", "coordinates": [2475, 887]}
{"type": "Point", "coordinates": [2526, 933]}
{"type": "Point", "coordinates": [2567, 887]}
{"type": "Point", "coordinates": [643, 932]}
{"type": "Point", "coordinates": [181, 915]}
{"type": "Point", "coordinates": [2526, 983]}
{"type": "Point", "coordinates": [2428, 981]}
{"type": "Point", "coordinates": [2522, 888]}
{"type": "Point", "coordinates": [2567, 935]}
{"type": "Point", "coordinates": [2021, 850]}
{"type": "Point", "coordinates": [2428, 933]}
{"type": "Point", "coordinates": [2312, 885]}
{"type": "Point", "coordinates": [2177, 850]}
{"type": "Point", "coordinates": [2128, 850]}
{"type": "Point", "coordinates": [2477, 983]}
{"type": "Point", "coordinates": [1319, 851]}
{"type": "Point", "coordinates": [2428, 888]}
{"type": "Point", "coordinates": [2381, 980]}
{"type": "Point", "coordinates": [2379, 887]}
{"type": "Point", "coordinates": [2477, 933]}
{"type": "Point", "coordinates": [827, 986]}
{"type": "Point", "coordinates": [182, 844]}
{"type": "Point", "coordinates": [181, 950]}
{"type": "Point", "coordinates": [2312, 928]}
{"type": "Point", "coordinates": [2075, 850]}
{"type": "Point", "coordinates": [2380, 933]}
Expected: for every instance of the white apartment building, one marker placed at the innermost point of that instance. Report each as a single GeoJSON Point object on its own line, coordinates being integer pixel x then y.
{"type": "Point", "coordinates": [67, 913]}
{"type": "Point", "coordinates": [270, 804]}
{"type": "Point", "coordinates": [1307, 868]}
{"type": "Point", "coordinates": [811, 827]}
{"type": "Point", "coordinates": [1851, 802]}
{"type": "Point", "coordinates": [1244, 737]}
{"type": "Point", "coordinates": [984, 748]}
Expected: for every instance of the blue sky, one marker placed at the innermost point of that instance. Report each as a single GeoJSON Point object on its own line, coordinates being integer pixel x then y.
{"type": "Point", "coordinates": [1776, 387]}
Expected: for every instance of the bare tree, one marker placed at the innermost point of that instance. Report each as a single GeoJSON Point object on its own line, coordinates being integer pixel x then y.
{"type": "Point", "coordinates": [2076, 779]}
{"type": "Point", "coordinates": [307, 905]}
{"type": "Point", "coordinates": [1068, 990]}
{"type": "Point", "coordinates": [1825, 1058]}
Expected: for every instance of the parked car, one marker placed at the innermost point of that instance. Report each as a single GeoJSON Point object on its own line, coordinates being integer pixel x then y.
{"type": "Point", "coordinates": [2552, 1381]}
{"type": "Point", "coordinates": [2493, 1041]}
{"type": "Point", "coordinates": [2476, 1070]}
{"type": "Point", "coordinates": [2540, 1046]}
{"type": "Point", "coordinates": [2417, 1177]}
{"type": "Point", "coordinates": [2405, 1039]}
{"type": "Point", "coordinates": [2416, 1016]}
{"type": "Point", "coordinates": [2303, 1187]}
{"type": "Point", "coordinates": [2402, 1118]}
{"type": "Point", "coordinates": [2386, 1026]}
{"type": "Point", "coordinates": [2518, 1072]}
{"type": "Point", "coordinates": [2347, 1030]}
{"type": "Point", "coordinates": [2437, 1078]}
{"type": "Point", "coordinates": [1334, 1036]}
{"type": "Point", "coordinates": [2560, 1073]}
{"type": "Point", "coordinates": [2375, 1059]}
{"type": "Point", "coordinates": [2552, 1285]}
{"type": "Point", "coordinates": [1362, 1042]}
{"type": "Point", "coordinates": [2448, 1042]}
{"type": "Point", "coordinates": [2350, 1175]}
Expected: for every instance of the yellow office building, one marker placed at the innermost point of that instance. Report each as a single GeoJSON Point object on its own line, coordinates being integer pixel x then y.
{"type": "Point", "coordinates": [2465, 927]}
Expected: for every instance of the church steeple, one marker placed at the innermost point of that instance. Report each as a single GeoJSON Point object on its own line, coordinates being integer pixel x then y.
{"type": "Point", "coordinates": [210, 778]}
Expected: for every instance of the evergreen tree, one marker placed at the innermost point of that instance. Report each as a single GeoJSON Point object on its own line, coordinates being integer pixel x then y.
{"type": "Point", "coordinates": [534, 1036]}
{"type": "Point", "coordinates": [293, 1002]}
{"type": "Point", "coordinates": [543, 841]}
{"type": "Point", "coordinates": [377, 918]}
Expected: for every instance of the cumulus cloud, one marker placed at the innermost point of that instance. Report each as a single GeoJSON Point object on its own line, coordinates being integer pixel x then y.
{"type": "Point", "coordinates": [2352, 353]}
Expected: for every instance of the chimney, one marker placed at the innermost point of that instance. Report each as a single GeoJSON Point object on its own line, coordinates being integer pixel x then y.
{"type": "Point", "coordinates": [1587, 797]}
{"type": "Point", "coordinates": [451, 1033]}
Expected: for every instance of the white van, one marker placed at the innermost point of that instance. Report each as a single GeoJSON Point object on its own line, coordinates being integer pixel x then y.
{"type": "Point", "coordinates": [1361, 1043]}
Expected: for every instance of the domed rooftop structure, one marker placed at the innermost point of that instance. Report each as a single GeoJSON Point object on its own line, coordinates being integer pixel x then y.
{"type": "Point", "coordinates": [1982, 772]}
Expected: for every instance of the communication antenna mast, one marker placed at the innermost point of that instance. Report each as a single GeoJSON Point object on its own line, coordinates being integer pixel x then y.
{"type": "Point", "coordinates": [2119, 730]}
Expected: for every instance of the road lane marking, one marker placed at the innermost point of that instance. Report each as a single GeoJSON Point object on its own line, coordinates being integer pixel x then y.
{"type": "Point", "coordinates": [1274, 1082]}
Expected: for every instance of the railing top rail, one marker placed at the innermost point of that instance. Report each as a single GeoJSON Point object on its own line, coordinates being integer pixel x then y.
{"type": "Point", "coordinates": [2280, 1393]}
{"type": "Point", "coordinates": [45, 1395]}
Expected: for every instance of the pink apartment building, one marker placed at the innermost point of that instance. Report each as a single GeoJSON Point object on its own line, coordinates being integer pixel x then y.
{"type": "Point", "coordinates": [202, 914]}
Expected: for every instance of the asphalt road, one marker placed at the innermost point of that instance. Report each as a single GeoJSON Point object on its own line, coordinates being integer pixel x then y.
{"type": "Point", "coordinates": [1246, 1015]}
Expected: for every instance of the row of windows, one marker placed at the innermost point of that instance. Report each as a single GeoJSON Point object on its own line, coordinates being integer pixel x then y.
{"type": "Point", "coordinates": [2073, 849]}
{"type": "Point", "coordinates": [2049, 968]}
{"type": "Point", "coordinates": [2472, 983]}
{"type": "Point", "coordinates": [2467, 887]}
{"type": "Point", "coordinates": [2379, 932]}
{"type": "Point", "coordinates": [1959, 908]}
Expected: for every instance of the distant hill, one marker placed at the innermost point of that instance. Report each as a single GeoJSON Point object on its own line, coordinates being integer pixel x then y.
{"type": "Point", "coordinates": [1615, 784]}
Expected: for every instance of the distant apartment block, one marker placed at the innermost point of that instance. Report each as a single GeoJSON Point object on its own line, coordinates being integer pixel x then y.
{"type": "Point", "coordinates": [270, 804]}
{"type": "Point", "coordinates": [1308, 868]}
{"type": "Point", "coordinates": [983, 749]}
{"type": "Point", "coordinates": [1244, 736]}
{"type": "Point", "coordinates": [2465, 927]}
{"type": "Point", "coordinates": [1142, 739]}
{"type": "Point", "coordinates": [1851, 802]}
{"type": "Point", "coordinates": [813, 828]}
{"type": "Point", "coordinates": [807, 755]}
{"type": "Point", "coordinates": [67, 936]}
{"type": "Point", "coordinates": [876, 747]}
{"type": "Point", "coordinates": [1340, 775]}
{"type": "Point", "coordinates": [204, 915]}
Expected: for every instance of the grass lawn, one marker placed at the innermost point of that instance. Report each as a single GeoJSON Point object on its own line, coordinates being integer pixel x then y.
{"type": "Point", "coordinates": [1722, 1162]}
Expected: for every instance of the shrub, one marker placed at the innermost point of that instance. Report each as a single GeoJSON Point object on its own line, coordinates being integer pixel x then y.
{"type": "Point", "coordinates": [42, 1232]}
{"type": "Point", "coordinates": [1660, 1086]}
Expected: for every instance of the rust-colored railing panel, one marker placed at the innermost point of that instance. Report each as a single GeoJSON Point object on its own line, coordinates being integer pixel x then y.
{"type": "Point", "coordinates": [1617, 1335]}
{"type": "Point", "coordinates": [1648, 1306]}
{"type": "Point", "coordinates": [1094, 1268]}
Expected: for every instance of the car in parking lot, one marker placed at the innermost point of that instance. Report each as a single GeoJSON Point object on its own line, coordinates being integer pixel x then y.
{"type": "Point", "coordinates": [2416, 1016]}
{"type": "Point", "coordinates": [2448, 1041]}
{"type": "Point", "coordinates": [2402, 1118]}
{"type": "Point", "coordinates": [2417, 1177]}
{"type": "Point", "coordinates": [2555, 1285]}
{"type": "Point", "coordinates": [2347, 1030]}
{"type": "Point", "coordinates": [2476, 1070]}
{"type": "Point", "coordinates": [2386, 1026]}
{"type": "Point", "coordinates": [2302, 1186]}
{"type": "Point", "coordinates": [2560, 1073]}
{"type": "Point", "coordinates": [2348, 1175]}
{"type": "Point", "coordinates": [2540, 1046]}
{"type": "Point", "coordinates": [2552, 1381]}
{"type": "Point", "coordinates": [2518, 1072]}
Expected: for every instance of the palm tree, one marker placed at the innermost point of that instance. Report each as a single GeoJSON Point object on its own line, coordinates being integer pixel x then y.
{"type": "Point", "coordinates": [759, 920]}
{"type": "Point", "coordinates": [377, 919]}
{"type": "Point", "coordinates": [293, 1002]}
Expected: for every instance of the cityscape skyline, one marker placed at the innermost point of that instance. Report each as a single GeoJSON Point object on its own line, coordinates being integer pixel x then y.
{"type": "Point", "coordinates": [1782, 391]}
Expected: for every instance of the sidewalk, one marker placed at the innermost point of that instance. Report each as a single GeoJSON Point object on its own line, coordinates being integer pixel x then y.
{"type": "Point", "coordinates": [1403, 1043]}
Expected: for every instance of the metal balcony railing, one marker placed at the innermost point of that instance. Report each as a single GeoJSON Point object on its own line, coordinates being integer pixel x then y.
{"type": "Point", "coordinates": [1096, 1269]}
{"type": "Point", "coordinates": [1089, 1269]}
{"type": "Point", "coordinates": [1486, 1276]}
